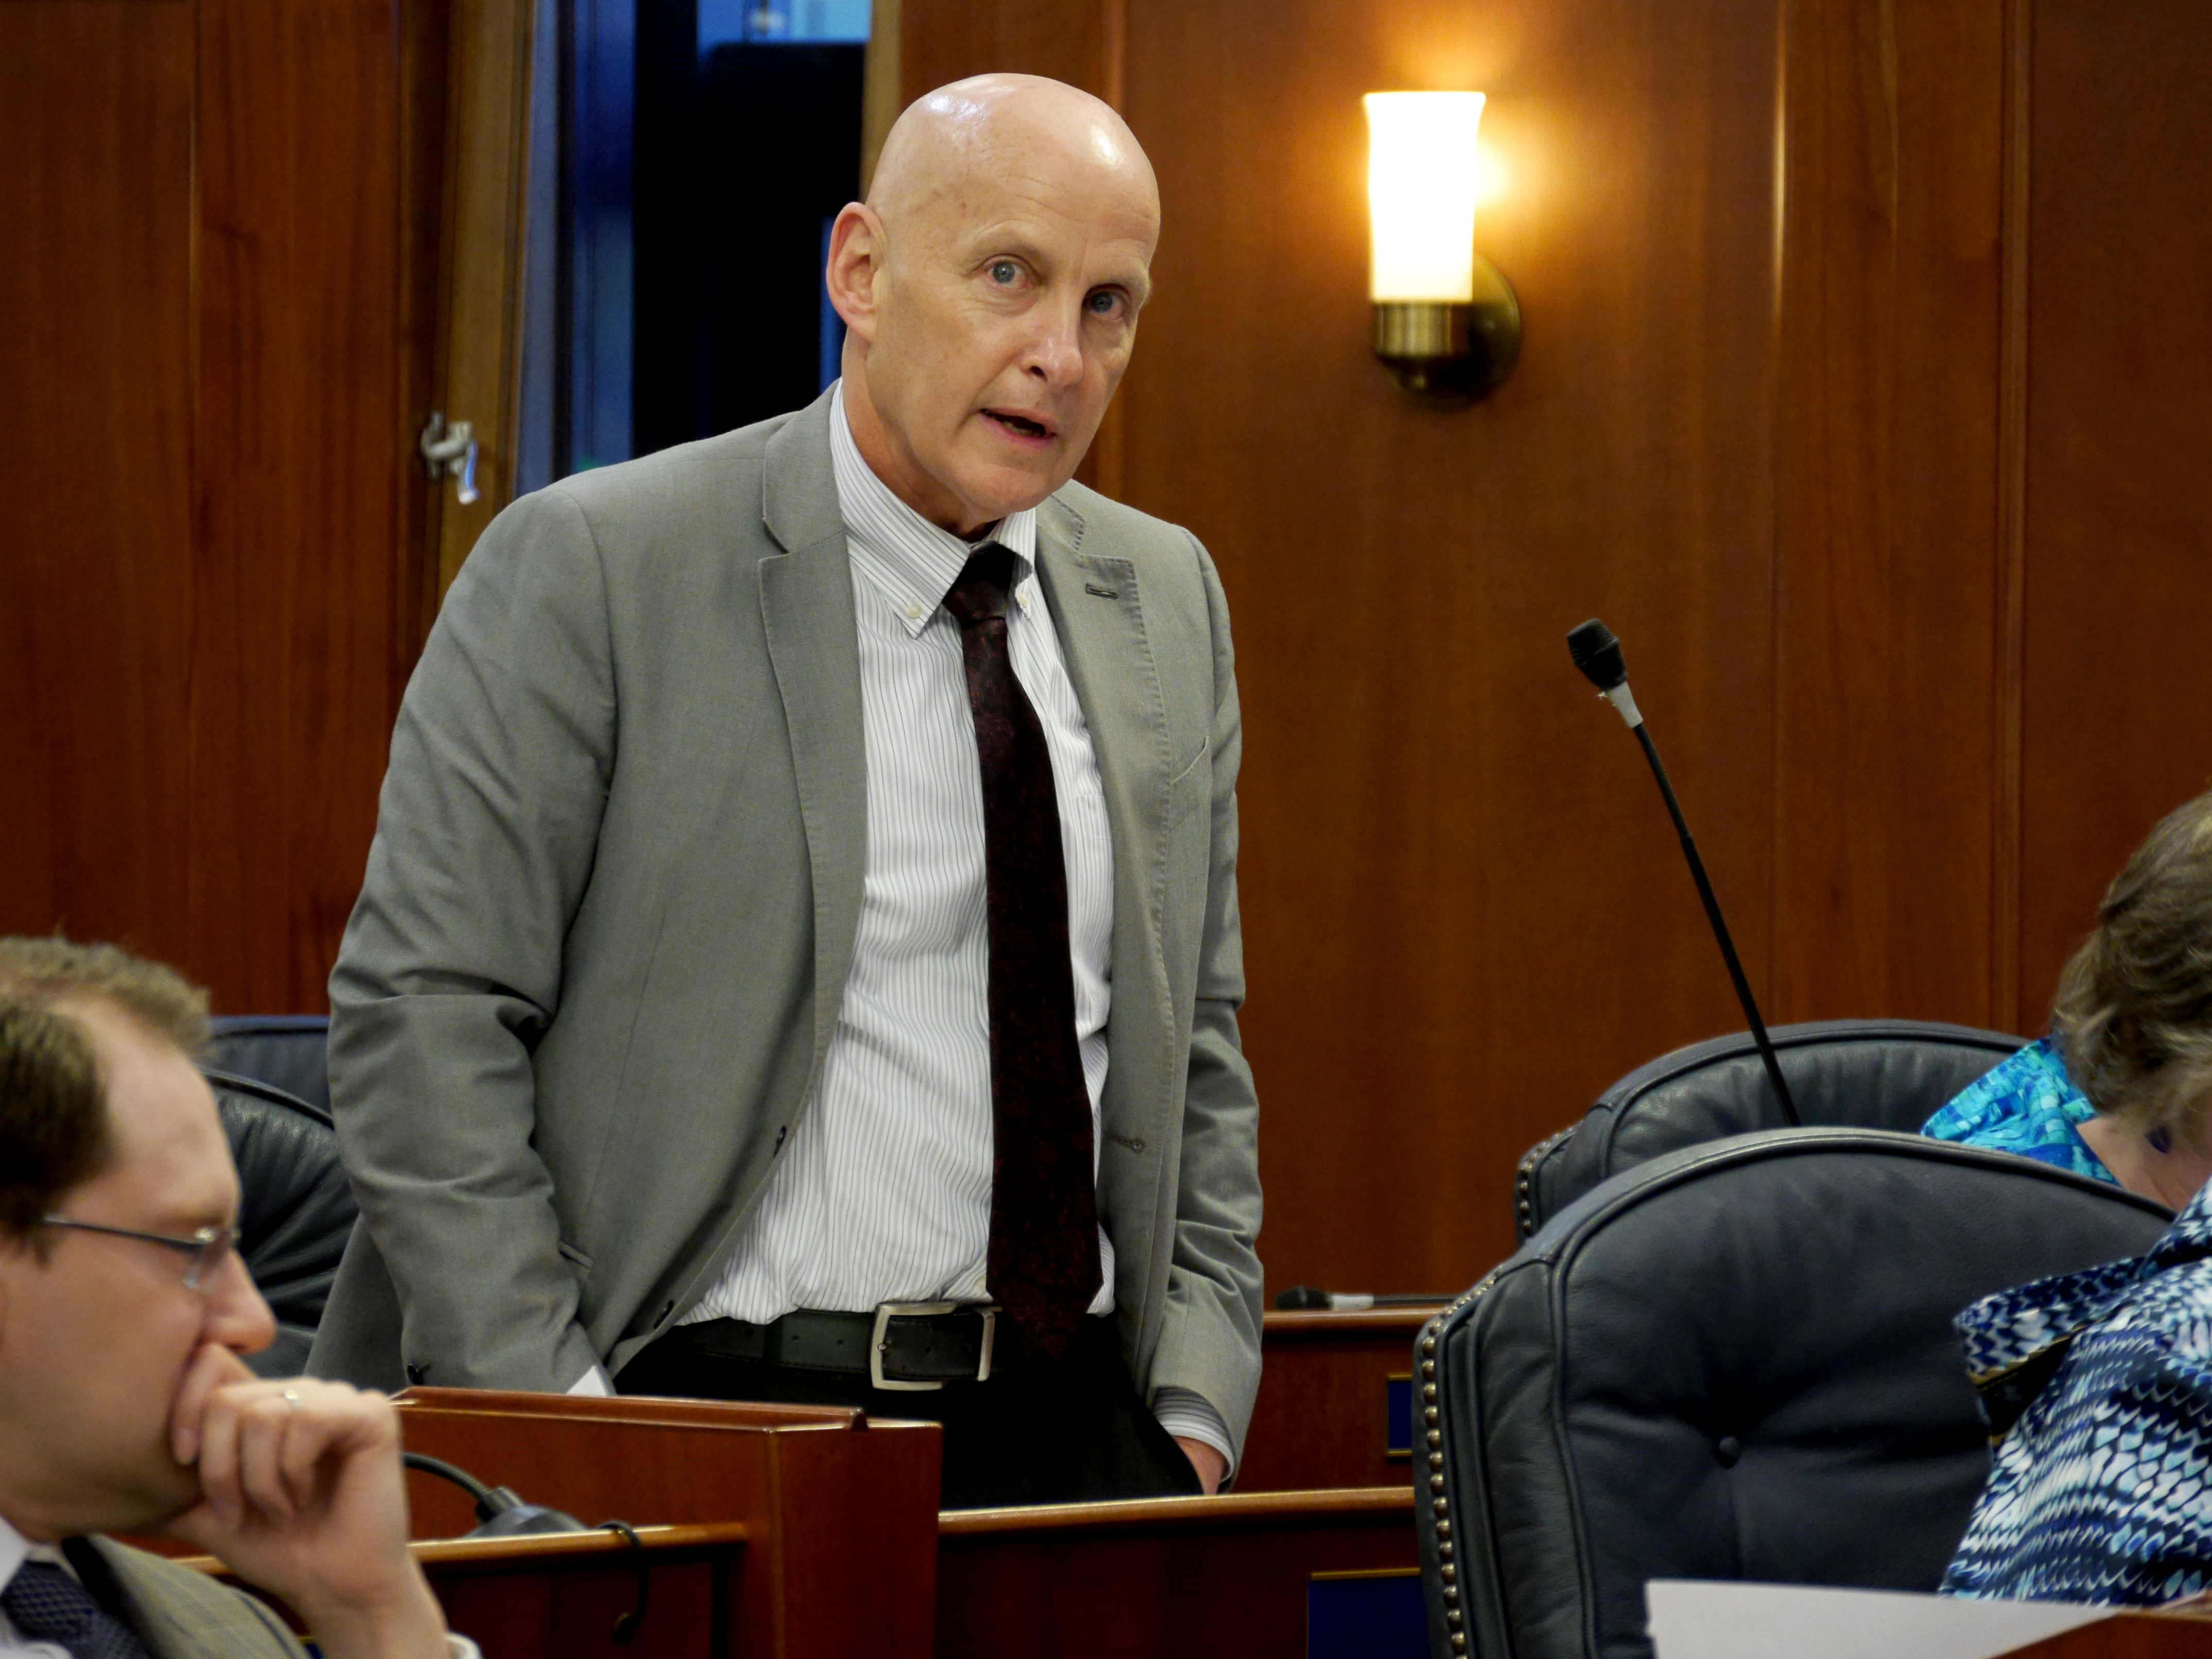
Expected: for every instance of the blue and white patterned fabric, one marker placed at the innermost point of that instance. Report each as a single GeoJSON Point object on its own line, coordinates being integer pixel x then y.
{"type": "Point", "coordinates": [2099, 1388]}
{"type": "Point", "coordinates": [2027, 1105]}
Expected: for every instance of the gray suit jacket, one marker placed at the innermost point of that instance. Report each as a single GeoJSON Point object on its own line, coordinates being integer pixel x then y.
{"type": "Point", "coordinates": [178, 1613]}
{"type": "Point", "coordinates": [608, 917]}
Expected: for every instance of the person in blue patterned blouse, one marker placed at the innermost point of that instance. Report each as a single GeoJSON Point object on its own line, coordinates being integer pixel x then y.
{"type": "Point", "coordinates": [2098, 1385]}
{"type": "Point", "coordinates": [2119, 1090]}
{"type": "Point", "coordinates": [2097, 1388]}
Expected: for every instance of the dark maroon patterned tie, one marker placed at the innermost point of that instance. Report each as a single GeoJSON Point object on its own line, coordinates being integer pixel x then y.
{"type": "Point", "coordinates": [1043, 1265]}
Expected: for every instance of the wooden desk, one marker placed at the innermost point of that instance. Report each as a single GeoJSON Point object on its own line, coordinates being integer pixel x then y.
{"type": "Point", "coordinates": [560, 1596]}
{"type": "Point", "coordinates": [826, 1499]}
{"type": "Point", "coordinates": [1321, 1416]}
{"type": "Point", "coordinates": [2129, 1635]}
{"type": "Point", "coordinates": [1222, 1577]}
{"type": "Point", "coordinates": [844, 1552]}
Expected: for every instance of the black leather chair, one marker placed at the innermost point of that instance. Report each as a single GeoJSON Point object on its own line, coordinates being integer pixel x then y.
{"type": "Point", "coordinates": [287, 1051]}
{"type": "Point", "coordinates": [1842, 1073]}
{"type": "Point", "coordinates": [297, 1210]}
{"type": "Point", "coordinates": [1734, 1361]}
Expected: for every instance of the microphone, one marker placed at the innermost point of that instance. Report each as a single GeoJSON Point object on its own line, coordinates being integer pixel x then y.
{"type": "Point", "coordinates": [500, 1513]}
{"type": "Point", "coordinates": [1597, 654]}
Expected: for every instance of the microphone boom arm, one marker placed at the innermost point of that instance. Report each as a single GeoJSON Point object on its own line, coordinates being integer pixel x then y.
{"type": "Point", "coordinates": [1598, 658]}
{"type": "Point", "coordinates": [1720, 930]}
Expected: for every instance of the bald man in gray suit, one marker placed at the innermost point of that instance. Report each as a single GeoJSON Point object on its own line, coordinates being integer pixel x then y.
{"type": "Point", "coordinates": [800, 955]}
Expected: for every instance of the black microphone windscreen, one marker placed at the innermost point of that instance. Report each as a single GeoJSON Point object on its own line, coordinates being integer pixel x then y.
{"type": "Point", "coordinates": [1597, 654]}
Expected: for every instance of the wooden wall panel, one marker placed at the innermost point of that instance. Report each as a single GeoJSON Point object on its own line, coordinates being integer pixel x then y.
{"type": "Point", "coordinates": [1464, 911]}
{"type": "Point", "coordinates": [1078, 41]}
{"type": "Point", "coordinates": [214, 588]}
{"type": "Point", "coordinates": [2118, 553]}
{"type": "Point", "coordinates": [1887, 762]}
{"type": "Point", "coordinates": [306, 455]}
{"type": "Point", "coordinates": [96, 464]}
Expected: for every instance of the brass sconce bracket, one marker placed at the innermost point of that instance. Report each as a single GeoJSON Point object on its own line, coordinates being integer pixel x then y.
{"type": "Point", "coordinates": [1452, 354]}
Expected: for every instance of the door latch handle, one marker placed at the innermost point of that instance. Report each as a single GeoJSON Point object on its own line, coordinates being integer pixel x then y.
{"type": "Point", "coordinates": [450, 451]}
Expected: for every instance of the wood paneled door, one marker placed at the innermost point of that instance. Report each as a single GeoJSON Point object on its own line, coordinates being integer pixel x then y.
{"type": "Point", "coordinates": [221, 273]}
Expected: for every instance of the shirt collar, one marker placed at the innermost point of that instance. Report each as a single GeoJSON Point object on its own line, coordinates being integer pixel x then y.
{"type": "Point", "coordinates": [16, 1549]}
{"type": "Point", "coordinates": [913, 561]}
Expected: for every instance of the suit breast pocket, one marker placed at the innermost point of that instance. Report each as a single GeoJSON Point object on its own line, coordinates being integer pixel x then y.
{"type": "Point", "coordinates": [1192, 787]}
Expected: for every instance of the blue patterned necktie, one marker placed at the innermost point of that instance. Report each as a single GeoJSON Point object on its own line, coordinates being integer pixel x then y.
{"type": "Point", "coordinates": [47, 1604]}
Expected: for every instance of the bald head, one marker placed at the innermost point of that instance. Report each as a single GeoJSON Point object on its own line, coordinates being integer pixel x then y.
{"type": "Point", "coordinates": [990, 286]}
{"type": "Point", "coordinates": [1000, 125]}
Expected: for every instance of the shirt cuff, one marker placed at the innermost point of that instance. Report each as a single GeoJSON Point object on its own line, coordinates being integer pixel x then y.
{"type": "Point", "coordinates": [593, 1381]}
{"type": "Point", "coordinates": [1188, 1415]}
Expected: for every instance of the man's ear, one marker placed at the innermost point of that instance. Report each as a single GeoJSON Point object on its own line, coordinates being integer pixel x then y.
{"type": "Point", "coordinates": [856, 264]}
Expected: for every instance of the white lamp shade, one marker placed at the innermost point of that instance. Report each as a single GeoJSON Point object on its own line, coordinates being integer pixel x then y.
{"type": "Point", "coordinates": [1423, 176]}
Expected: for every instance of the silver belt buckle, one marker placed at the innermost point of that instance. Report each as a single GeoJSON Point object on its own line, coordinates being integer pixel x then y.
{"type": "Point", "coordinates": [887, 1311]}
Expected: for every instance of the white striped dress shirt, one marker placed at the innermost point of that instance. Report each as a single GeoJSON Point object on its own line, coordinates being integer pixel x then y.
{"type": "Point", "coordinates": [883, 1194]}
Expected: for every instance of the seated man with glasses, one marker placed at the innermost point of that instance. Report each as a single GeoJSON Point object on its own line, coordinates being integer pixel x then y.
{"type": "Point", "coordinates": [124, 1404]}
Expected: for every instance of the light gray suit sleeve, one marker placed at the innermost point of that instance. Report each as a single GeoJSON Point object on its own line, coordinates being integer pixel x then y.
{"type": "Point", "coordinates": [451, 967]}
{"type": "Point", "coordinates": [1210, 1341]}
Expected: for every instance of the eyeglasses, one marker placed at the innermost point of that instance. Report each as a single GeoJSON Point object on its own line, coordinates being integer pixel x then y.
{"type": "Point", "coordinates": [206, 1248]}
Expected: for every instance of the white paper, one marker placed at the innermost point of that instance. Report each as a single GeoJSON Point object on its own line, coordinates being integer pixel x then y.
{"type": "Point", "coordinates": [1694, 1619]}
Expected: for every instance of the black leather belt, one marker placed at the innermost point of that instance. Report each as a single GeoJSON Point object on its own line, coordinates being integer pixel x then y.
{"type": "Point", "coordinates": [902, 1345]}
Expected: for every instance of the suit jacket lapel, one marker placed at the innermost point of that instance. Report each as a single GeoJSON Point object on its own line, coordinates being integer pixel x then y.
{"type": "Point", "coordinates": [806, 614]}
{"type": "Point", "coordinates": [1099, 611]}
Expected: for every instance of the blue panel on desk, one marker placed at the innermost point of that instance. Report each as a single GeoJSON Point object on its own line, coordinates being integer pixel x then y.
{"type": "Point", "coordinates": [1398, 1416]}
{"type": "Point", "coordinates": [1366, 1616]}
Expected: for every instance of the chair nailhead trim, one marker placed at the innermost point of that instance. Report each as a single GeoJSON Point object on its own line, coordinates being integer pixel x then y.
{"type": "Point", "coordinates": [1525, 1178]}
{"type": "Point", "coordinates": [1439, 1506]}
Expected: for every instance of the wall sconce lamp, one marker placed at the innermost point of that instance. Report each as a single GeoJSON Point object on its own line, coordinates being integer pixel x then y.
{"type": "Point", "coordinates": [1447, 323]}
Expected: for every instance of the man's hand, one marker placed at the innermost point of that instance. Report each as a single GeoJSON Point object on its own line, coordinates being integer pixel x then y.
{"type": "Point", "coordinates": [302, 1494]}
{"type": "Point", "coordinates": [1210, 1464]}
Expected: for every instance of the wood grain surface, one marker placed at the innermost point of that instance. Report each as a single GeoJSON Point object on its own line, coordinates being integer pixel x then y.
{"type": "Point", "coordinates": [96, 446]}
{"type": "Point", "coordinates": [2129, 1636]}
{"type": "Point", "coordinates": [817, 1491]}
{"type": "Point", "coordinates": [1886, 707]}
{"type": "Point", "coordinates": [1323, 1413]}
{"type": "Point", "coordinates": [576, 1596]}
{"type": "Point", "coordinates": [2119, 526]}
{"type": "Point", "coordinates": [213, 586]}
{"type": "Point", "coordinates": [1224, 1577]}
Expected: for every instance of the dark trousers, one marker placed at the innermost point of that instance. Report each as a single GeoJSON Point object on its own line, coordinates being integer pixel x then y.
{"type": "Point", "coordinates": [1064, 1430]}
